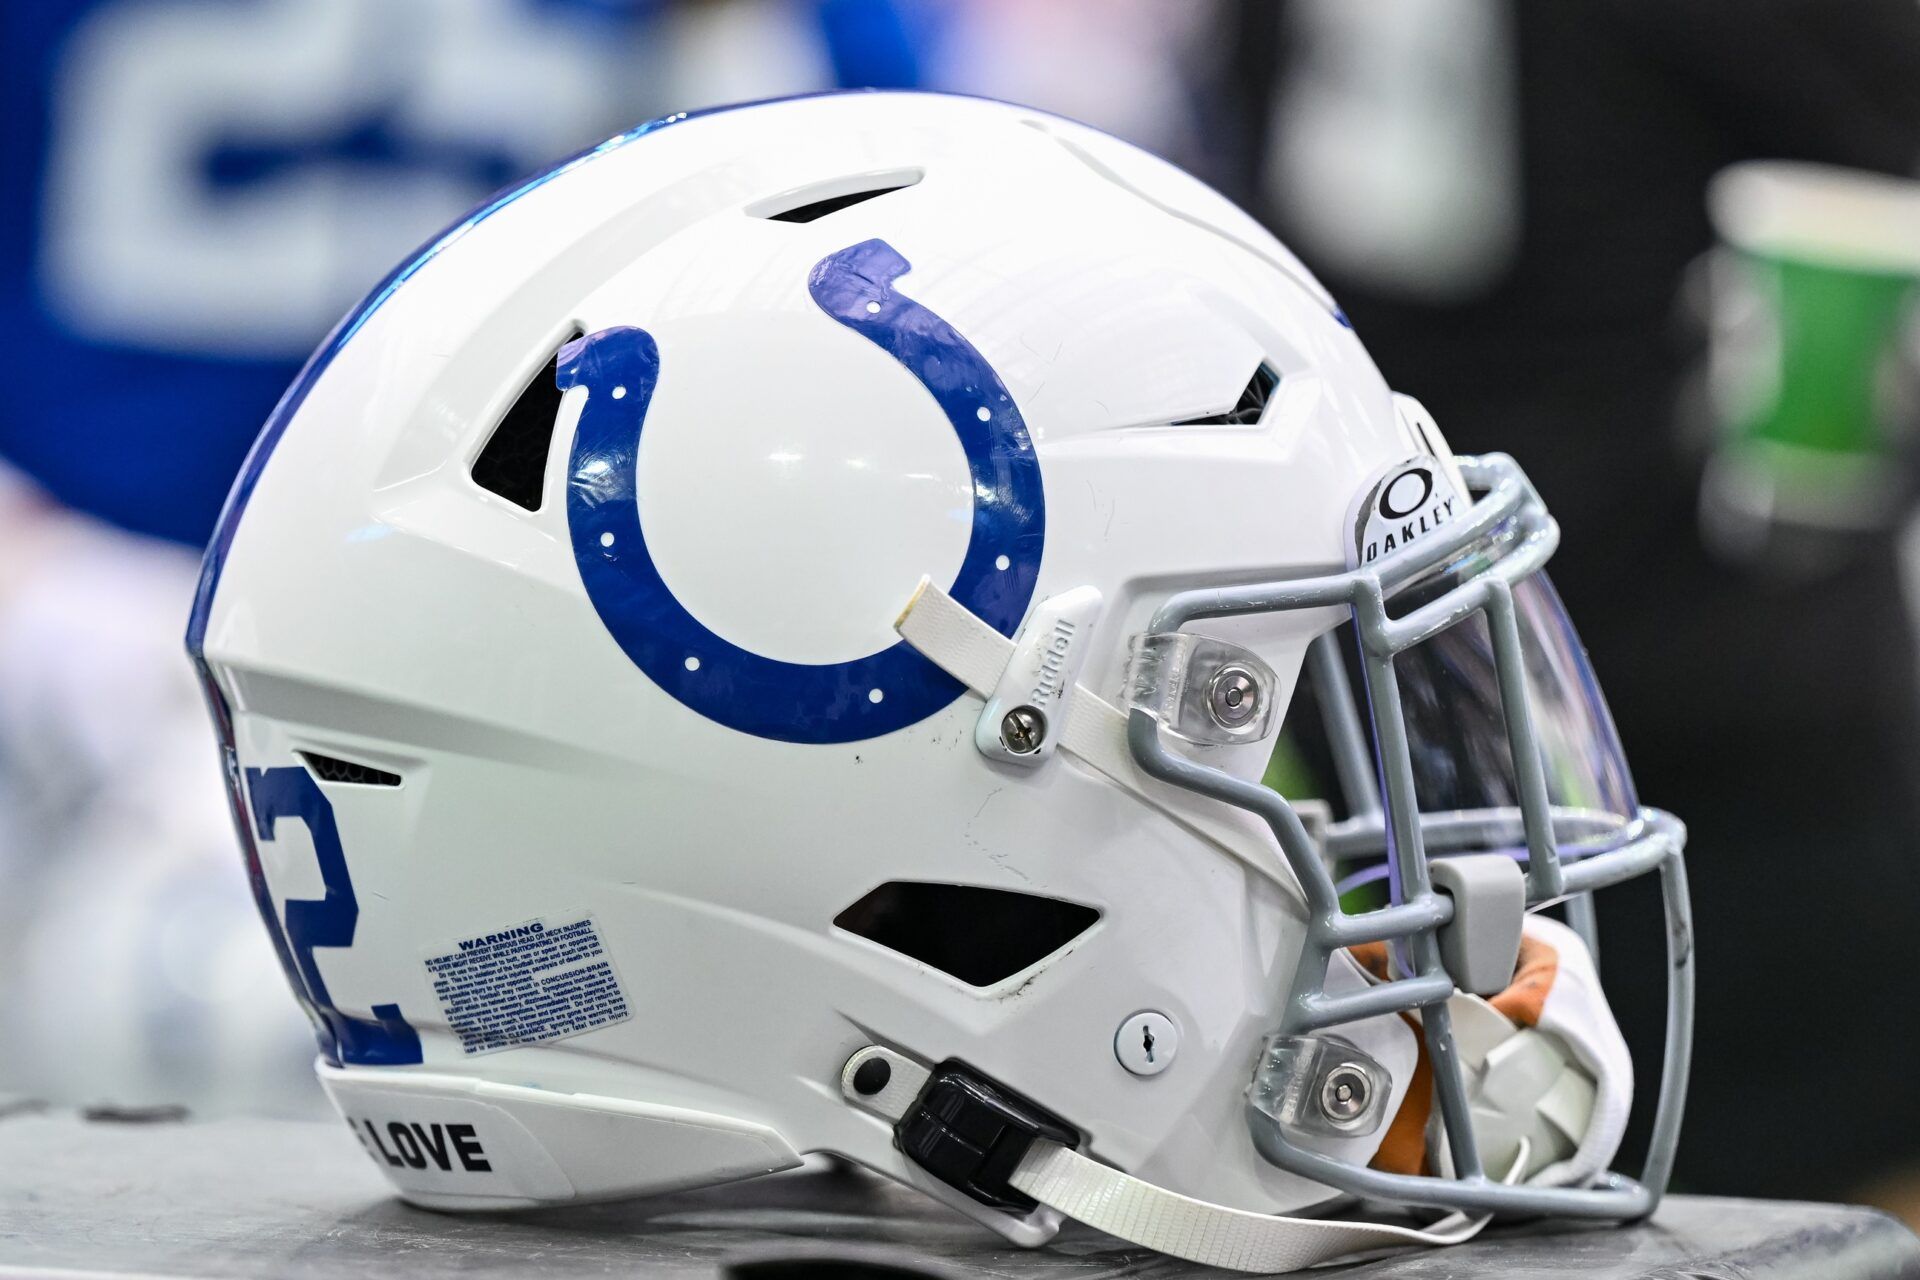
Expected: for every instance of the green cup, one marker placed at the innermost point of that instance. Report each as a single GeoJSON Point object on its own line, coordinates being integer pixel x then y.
{"type": "Point", "coordinates": [1813, 304]}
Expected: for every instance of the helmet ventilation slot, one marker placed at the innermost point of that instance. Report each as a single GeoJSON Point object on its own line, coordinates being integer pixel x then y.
{"type": "Point", "coordinates": [334, 769]}
{"type": "Point", "coordinates": [513, 463]}
{"type": "Point", "coordinates": [980, 936]}
{"type": "Point", "coordinates": [811, 203]}
{"type": "Point", "coordinates": [1248, 409]}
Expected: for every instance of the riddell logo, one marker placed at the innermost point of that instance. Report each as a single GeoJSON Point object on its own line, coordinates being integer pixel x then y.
{"type": "Point", "coordinates": [1046, 685]}
{"type": "Point", "coordinates": [413, 1145]}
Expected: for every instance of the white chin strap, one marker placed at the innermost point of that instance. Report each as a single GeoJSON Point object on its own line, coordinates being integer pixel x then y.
{"type": "Point", "coordinates": [1141, 1213]}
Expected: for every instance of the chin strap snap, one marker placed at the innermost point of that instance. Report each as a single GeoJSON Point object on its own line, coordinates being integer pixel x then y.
{"type": "Point", "coordinates": [1001, 1150]}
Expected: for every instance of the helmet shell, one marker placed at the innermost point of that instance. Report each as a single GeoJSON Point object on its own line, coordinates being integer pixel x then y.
{"type": "Point", "coordinates": [367, 600]}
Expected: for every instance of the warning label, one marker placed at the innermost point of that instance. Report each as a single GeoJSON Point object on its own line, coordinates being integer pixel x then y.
{"type": "Point", "coordinates": [536, 981]}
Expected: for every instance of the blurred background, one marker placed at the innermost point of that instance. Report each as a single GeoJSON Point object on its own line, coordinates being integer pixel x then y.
{"type": "Point", "coordinates": [1664, 251]}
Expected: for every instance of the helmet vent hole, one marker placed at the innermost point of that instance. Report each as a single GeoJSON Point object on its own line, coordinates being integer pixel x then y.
{"type": "Point", "coordinates": [980, 936]}
{"type": "Point", "coordinates": [1249, 408]}
{"type": "Point", "coordinates": [513, 462]}
{"type": "Point", "coordinates": [811, 203]}
{"type": "Point", "coordinates": [334, 769]}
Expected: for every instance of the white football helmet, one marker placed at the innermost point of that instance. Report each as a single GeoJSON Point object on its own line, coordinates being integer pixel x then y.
{"type": "Point", "coordinates": [766, 638]}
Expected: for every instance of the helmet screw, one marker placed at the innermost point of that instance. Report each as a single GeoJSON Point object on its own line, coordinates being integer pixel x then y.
{"type": "Point", "coordinates": [1345, 1094]}
{"type": "Point", "coordinates": [1022, 730]}
{"type": "Point", "coordinates": [1233, 696]}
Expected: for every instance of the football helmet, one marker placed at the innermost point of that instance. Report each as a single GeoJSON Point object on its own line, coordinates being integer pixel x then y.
{"type": "Point", "coordinates": [767, 639]}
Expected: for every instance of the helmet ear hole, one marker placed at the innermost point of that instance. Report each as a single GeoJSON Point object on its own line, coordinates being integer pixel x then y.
{"type": "Point", "coordinates": [513, 463]}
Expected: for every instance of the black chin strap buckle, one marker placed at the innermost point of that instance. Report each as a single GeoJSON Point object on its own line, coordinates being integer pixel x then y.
{"type": "Point", "coordinates": [971, 1133]}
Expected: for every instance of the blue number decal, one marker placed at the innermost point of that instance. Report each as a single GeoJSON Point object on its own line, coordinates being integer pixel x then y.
{"type": "Point", "coordinates": [383, 1041]}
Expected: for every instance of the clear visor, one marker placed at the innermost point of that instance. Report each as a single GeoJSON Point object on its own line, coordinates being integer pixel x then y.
{"type": "Point", "coordinates": [1458, 741]}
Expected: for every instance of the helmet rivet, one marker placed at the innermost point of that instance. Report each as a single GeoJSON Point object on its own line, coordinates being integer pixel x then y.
{"type": "Point", "coordinates": [1022, 730]}
{"type": "Point", "coordinates": [1233, 697]}
{"type": "Point", "coordinates": [1346, 1092]}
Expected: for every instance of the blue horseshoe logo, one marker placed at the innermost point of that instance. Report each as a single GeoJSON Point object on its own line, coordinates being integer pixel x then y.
{"type": "Point", "coordinates": [789, 701]}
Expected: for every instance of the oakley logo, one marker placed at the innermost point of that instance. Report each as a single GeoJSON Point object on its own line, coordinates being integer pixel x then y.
{"type": "Point", "coordinates": [1408, 501]}
{"type": "Point", "coordinates": [1394, 500]}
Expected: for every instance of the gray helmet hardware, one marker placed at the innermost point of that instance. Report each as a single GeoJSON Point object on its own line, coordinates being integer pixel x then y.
{"type": "Point", "coordinates": [1233, 695]}
{"type": "Point", "coordinates": [1508, 509]}
{"type": "Point", "coordinates": [1345, 1094]}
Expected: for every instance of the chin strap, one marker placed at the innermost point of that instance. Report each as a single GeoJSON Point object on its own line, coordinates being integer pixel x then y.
{"type": "Point", "coordinates": [1151, 1216]}
{"type": "Point", "coordinates": [1168, 1222]}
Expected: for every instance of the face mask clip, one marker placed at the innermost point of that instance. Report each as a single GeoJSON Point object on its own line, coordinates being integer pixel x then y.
{"type": "Point", "coordinates": [1202, 690]}
{"type": "Point", "coordinates": [1318, 1085]}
